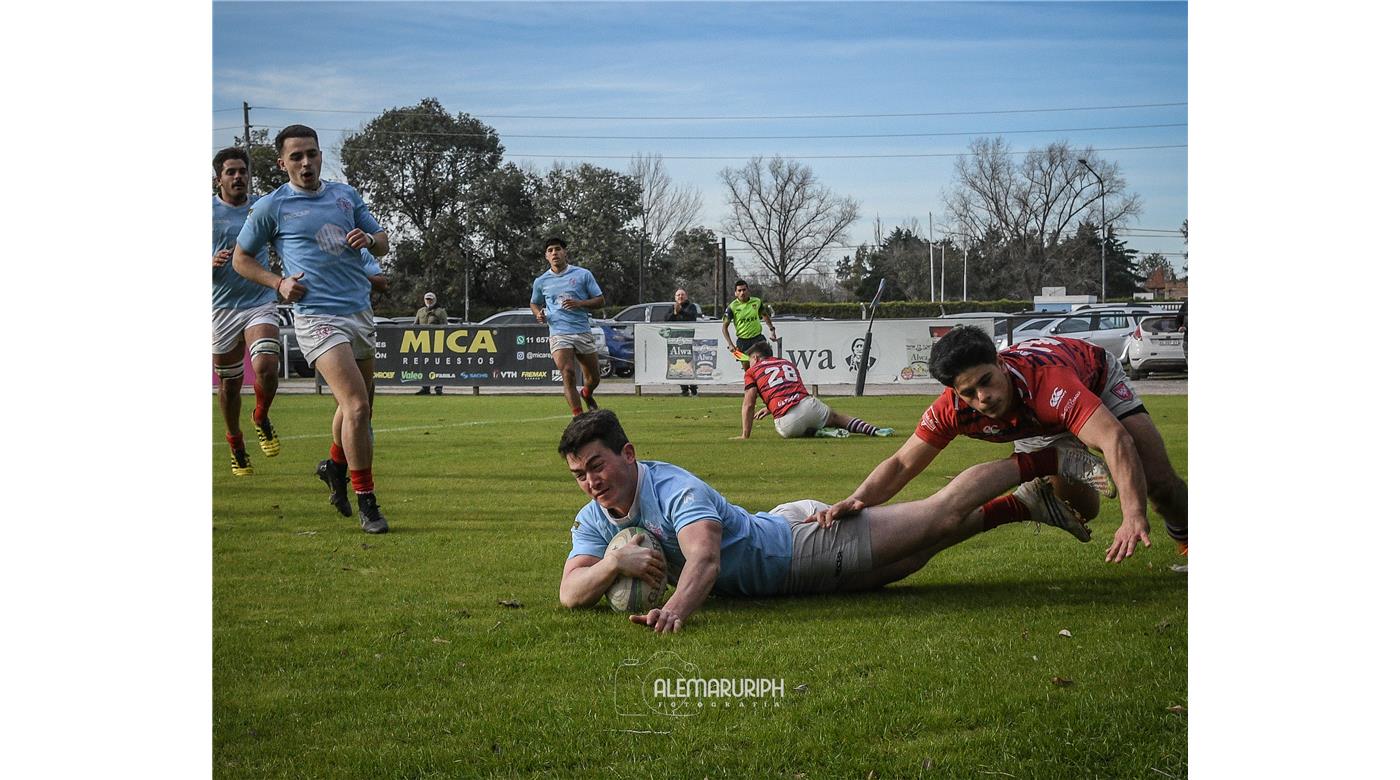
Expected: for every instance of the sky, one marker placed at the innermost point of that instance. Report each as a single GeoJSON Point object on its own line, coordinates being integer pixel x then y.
{"type": "Point", "coordinates": [716, 80]}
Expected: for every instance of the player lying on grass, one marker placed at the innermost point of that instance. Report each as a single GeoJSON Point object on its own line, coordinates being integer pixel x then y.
{"type": "Point", "coordinates": [1046, 395]}
{"type": "Point", "coordinates": [796, 412]}
{"type": "Point", "coordinates": [711, 545]}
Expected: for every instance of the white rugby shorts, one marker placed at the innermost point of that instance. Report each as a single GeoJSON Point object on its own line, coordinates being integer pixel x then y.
{"type": "Point", "coordinates": [580, 343]}
{"type": "Point", "coordinates": [229, 324]}
{"type": "Point", "coordinates": [317, 333]}
{"type": "Point", "coordinates": [803, 419]}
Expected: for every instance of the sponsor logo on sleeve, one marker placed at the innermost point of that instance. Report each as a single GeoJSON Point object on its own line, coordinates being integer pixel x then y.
{"type": "Point", "coordinates": [1056, 396]}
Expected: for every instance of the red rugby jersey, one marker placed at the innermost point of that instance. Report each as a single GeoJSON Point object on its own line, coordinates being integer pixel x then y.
{"type": "Point", "coordinates": [778, 383]}
{"type": "Point", "coordinates": [1059, 382]}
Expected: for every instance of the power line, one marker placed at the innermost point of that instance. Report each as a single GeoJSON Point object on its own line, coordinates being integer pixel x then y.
{"type": "Point", "coordinates": [753, 117]}
{"type": "Point", "coordinates": [748, 137]}
{"type": "Point", "coordinates": [789, 157]}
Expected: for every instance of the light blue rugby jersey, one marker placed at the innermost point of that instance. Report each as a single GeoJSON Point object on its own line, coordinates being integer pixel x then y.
{"type": "Point", "coordinates": [755, 548]}
{"type": "Point", "coordinates": [309, 232]}
{"type": "Point", "coordinates": [550, 289]}
{"type": "Point", "coordinates": [232, 291]}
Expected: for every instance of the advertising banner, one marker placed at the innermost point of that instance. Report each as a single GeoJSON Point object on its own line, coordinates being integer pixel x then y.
{"type": "Point", "coordinates": [463, 355]}
{"type": "Point", "coordinates": [827, 352]}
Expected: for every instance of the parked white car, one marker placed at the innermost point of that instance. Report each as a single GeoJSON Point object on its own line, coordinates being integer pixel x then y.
{"type": "Point", "coordinates": [527, 317]}
{"type": "Point", "coordinates": [1026, 329]}
{"type": "Point", "coordinates": [1156, 345]}
{"type": "Point", "coordinates": [1108, 328]}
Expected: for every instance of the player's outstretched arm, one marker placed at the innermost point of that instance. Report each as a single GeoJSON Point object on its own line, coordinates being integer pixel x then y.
{"type": "Point", "coordinates": [700, 543]}
{"type": "Point", "coordinates": [884, 482]}
{"type": "Point", "coordinates": [1103, 432]}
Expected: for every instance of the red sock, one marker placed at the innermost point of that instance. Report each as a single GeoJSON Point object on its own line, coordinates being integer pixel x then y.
{"type": "Point", "coordinates": [1041, 463]}
{"type": "Point", "coordinates": [362, 480]}
{"type": "Point", "coordinates": [1003, 510]}
{"type": "Point", "coordinates": [235, 443]}
{"type": "Point", "coordinates": [338, 455]}
{"type": "Point", "coordinates": [260, 410]}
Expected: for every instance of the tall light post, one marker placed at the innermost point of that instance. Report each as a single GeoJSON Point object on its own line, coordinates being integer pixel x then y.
{"type": "Point", "coordinates": [1103, 225]}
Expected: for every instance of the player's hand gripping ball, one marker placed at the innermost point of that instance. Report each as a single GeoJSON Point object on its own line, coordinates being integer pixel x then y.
{"type": "Point", "coordinates": [633, 595]}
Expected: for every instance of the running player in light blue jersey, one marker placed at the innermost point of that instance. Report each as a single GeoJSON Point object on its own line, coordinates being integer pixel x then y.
{"type": "Point", "coordinates": [562, 295]}
{"type": "Point", "coordinates": [319, 228]}
{"type": "Point", "coordinates": [709, 545]}
{"type": "Point", "coordinates": [244, 315]}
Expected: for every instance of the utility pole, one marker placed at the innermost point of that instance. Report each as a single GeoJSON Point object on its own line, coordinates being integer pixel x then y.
{"type": "Point", "coordinates": [931, 296]}
{"type": "Point", "coordinates": [466, 263]}
{"type": "Point", "coordinates": [723, 290]}
{"type": "Point", "coordinates": [942, 275]}
{"type": "Point", "coordinates": [964, 271]}
{"type": "Point", "coordinates": [247, 132]}
{"type": "Point", "coordinates": [1103, 224]}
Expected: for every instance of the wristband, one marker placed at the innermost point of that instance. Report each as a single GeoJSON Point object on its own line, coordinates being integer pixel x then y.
{"type": "Point", "coordinates": [373, 242]}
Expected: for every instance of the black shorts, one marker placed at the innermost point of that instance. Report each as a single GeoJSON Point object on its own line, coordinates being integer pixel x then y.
{"type": "Point", "coordinates": [743, 345]}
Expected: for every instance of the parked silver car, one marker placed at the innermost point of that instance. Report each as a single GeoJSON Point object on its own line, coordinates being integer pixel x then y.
{"type": "Point", "coordinates": [1108, 328]}
{"type": "Point", "coordinates": [1156, 345]}
{"type": "Point", "coordinates": [654, 311]}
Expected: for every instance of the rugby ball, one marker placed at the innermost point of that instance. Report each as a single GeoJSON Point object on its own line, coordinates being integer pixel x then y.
{"type": "Point", "coordinates": [629, 594]}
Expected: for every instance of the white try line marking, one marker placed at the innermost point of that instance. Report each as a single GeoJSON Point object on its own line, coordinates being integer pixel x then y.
{"type": "Point", "coordinates": [440, 426]}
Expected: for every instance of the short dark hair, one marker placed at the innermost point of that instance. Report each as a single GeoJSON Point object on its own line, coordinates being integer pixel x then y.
{"type": "Point", "coordinates": [599, 425]}
{"type": "Point", "coordinates": [761, 348]}
{"type": "Point", "coordinates": [740, 283]}
{"type": "Point", "coordinates": [961, 348]}
{"type": "Point", "coordinates": [554, 240]}
{"type": "Point", "coordinates": [230, 153]}
{"type": "Point", "coordinates": [295, 131]}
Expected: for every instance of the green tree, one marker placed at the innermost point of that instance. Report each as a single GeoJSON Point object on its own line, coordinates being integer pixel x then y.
{"type": "Point", "coordinates": [693, 254]}
{"type": "Point", "coordinates": [510, 253]}
{"type": "Point", "coordinates": [1154, 261]}
{"type": "Point", "coordinates": [418, 167]}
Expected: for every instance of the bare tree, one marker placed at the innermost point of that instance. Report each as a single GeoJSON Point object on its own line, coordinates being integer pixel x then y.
{"type": "Point", "coordinates": [1030, 210]}
{"type": "Point", "coordinates": [666, 208]}
{"type": "Point", "coordinates": [779, 209]}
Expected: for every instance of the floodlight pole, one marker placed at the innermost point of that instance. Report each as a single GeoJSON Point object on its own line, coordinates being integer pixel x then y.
{"type": "Point", "coordinates": [1103, 225]}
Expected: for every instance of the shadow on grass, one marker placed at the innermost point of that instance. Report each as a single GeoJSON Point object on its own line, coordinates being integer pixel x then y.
{"type": "Point", "coordinates": [897, 599]}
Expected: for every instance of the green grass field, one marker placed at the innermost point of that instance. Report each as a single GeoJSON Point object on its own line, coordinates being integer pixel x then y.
{"type": "Point", "coordinates": [340, 654]}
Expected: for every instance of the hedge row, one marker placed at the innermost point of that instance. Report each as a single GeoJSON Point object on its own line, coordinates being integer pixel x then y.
{"type": "Point", "coordinates": [897, 309]}
{"type": "Point", "coordinates": [900, 309]}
